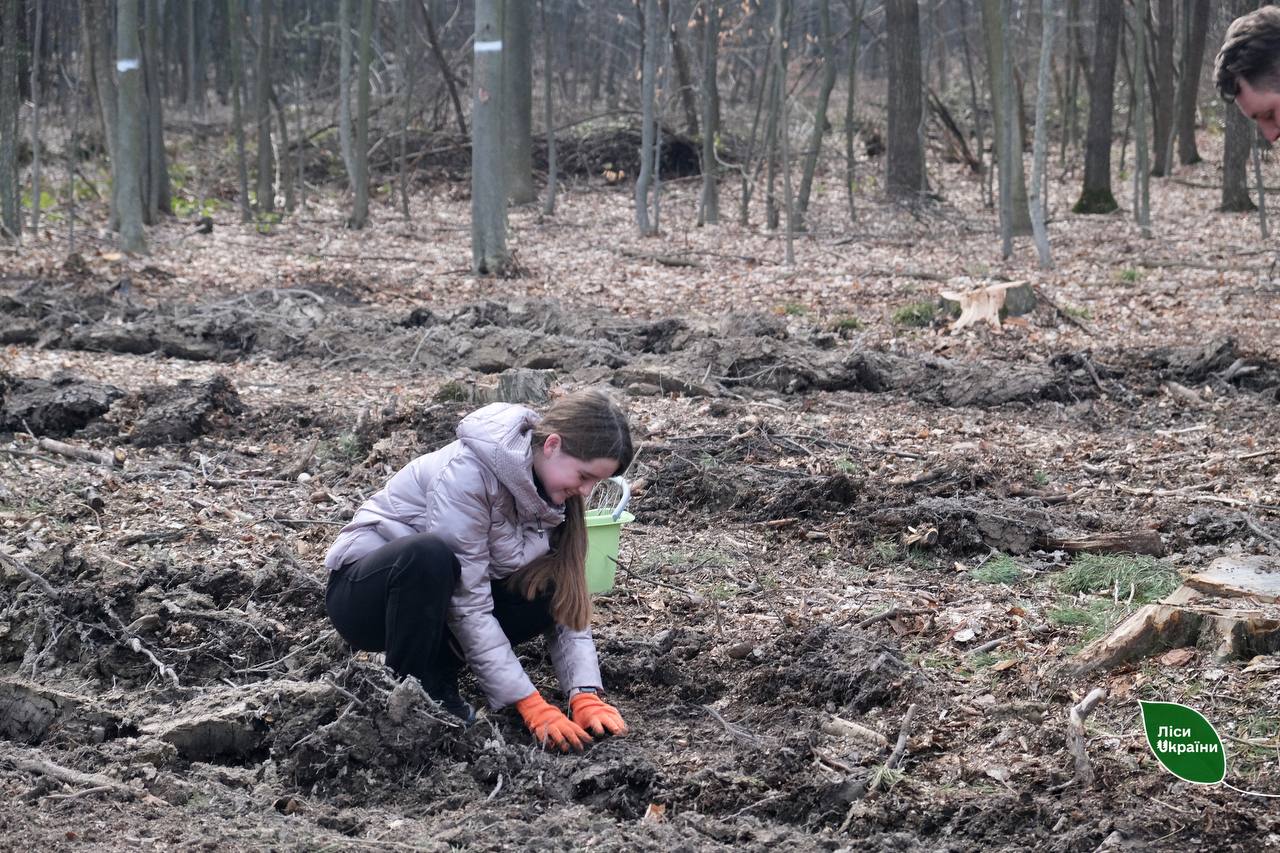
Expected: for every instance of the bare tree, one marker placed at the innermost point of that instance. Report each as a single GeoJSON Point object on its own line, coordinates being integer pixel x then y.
{"type": "Point", "coordinates": [1195, 26]}
{"type": "Point", "coordinates": [1142, 171]}
{"type": "Point", "coordinates": [1049, 17]}
{"type": "Point", "coordinates": [826, 39]}
{"type": "Point", "coordinates": [35, 116]}
{"type": "Point", "coordinates": [488, 192]}
{"type": "Point", "coordinates": [1096, 196]}
{"type": "Point", "coordinates": [684, 79]}
{"type": "Point", "coordinates": [360, 154]}
{"type": "Point", "coordinates": [648, 85]}
{"type": "Point", "coordinates": [1236, 144]}
{"type": "Point", "coordinates": [856, 8]}
{"type": "Point", "coordinates": [344, 88]}
{"type": "Point", "coordinates": [1162, 93]}
{"type": "Point", "coordinates": [266, 193]}
{"type": "Point", "coordinates": [549, 204]}
{"type": "Point", "coordinates": [155, 177]}
{"type": "Point", "coordinates": [10, 210]}
{"type": "Point", "coordinates": [710, 112]}
{"type": "Point", "coordinates": [128, 164]}
{"type": "Point", "coordinates": [905, 176]}
{"type": "Point", "coordinates": [1006, 109]}
{"type": "Point", "coordinates": [517, 102]}
{"type": "Point", "coordinates": [234, 23]}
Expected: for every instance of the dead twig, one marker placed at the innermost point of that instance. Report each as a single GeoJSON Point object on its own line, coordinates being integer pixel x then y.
{"type": "Point", "coordinates": [30, 575]}
{"type": "Point", "coordinates": [99, 457]}
{"type": "Point", "coordinates": [1076, 740]}
{"type": "Point", "coordinates": [30, 761]}
{"type": "Point", "coordinates": [900, 748]}
{"type": "Point", "coordinates": [1257, 528]}
{"type": "Point", "coordinates": [891, 613]}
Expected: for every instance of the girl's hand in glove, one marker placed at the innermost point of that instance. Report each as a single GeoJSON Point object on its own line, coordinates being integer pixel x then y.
{"type": "Point", "coordinates": [549, 725]}
{"type": "Point", "coordinates": [597, 716]}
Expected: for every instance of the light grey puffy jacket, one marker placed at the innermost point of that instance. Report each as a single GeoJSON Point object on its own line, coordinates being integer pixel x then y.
{"type": "Point", "coordinates": [478, 496]}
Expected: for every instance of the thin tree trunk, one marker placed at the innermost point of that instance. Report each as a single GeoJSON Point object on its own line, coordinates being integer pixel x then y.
{"type": "Point", "coordinates": [680, 59]}
{"type": "Point", "coordinates": [129, 162]}
{"type": "Point", "coordinates": [1142, 169]}
{"type": "Point", "coordinates": [978, 129]}
{"type": "Point", "coordinates": [748, 168]}
{"type": "Point", "coordinates": [648, 82]}
{"type": "Point", "coordinates": [549, 203]}
{"type": "Point", "coordinates": [777, 91]}
{"type": "Point", "coordinates": [517, 102]}
{"type": "Point", "coordinates": [1262, 188]}
{"type": "Point", "coordinates": [1002, 112]}
{"type": "Point", "coordinates": [35, 117]}
{"type": "Point", "coordinates": [266, 190]}
{"type": "Point", "coordinates": [825, 38]}
{"type": "Point", "coordinates": [488, 195]}
{"type": "Point", "coordinates": [1235, 159]}
{"type": "Point", "coordinates": [156, 177]}
{"type": "Point", "coordinates": [195, 83]}
{"type": "Point", "coordinates": [1049, 18]}
{"type": "Point", "coordinates": [360, 208]}
{"type": "Point", "coordinates": [97, 25]}
{"type": "Point", "coordinates": [234, 23]}
{"type": "Point", "coordinates": [1007, 150]}
{"type": "Point", "coordinates": [710, 112]}
{"type": "Point", "coordinates": [300, 97]}
{"type": "Point", "coordinates": [1195, 25]}
{"type": "Point", "coordinates": [851, 98]}
{"type": "Point", "coordinates": [784, 132]}
{"type": "Point", "coordinates": [344, 90]}
{"type": "Point", "coordinates": [10, 202]}
{"type": "Point", "coordinates": [1162, 95]}
{"type": "Point", "coordinates": [407, 71]}
{"type": "Point", "coordinates": [286, 181]}
{"type": "Point", "coordinates": [72, 152]}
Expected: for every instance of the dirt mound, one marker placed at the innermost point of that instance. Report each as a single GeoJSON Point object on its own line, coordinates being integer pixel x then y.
{"type": "Point", "coordinates": [55, 407]}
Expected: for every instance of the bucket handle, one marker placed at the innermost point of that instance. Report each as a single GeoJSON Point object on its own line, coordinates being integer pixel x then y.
{"type": "Point", "coordinates": [626, 496]}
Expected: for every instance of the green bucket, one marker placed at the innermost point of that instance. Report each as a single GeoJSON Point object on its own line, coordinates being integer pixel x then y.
{"type": "Point", "coordinates": [603, 535]}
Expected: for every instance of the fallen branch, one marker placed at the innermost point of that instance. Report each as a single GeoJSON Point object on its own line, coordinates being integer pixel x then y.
{"type": "Point", "coordinates": [1076, 740]}
{"type": "Point", "coordinates": [664, 260]}
{"type": "Point", "coordinates": [30, 761]}
{"type": "Point", "coordinates": [840, 727]}
{"type": "Point", "coordinates": [891, 613]}
{"type": "Point", "coordinates": [111, 459]}
{"type": "Point", "coordinates": [30, 575]}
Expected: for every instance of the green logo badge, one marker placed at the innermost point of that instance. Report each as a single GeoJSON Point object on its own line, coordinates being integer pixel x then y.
{"type": "Point", "coordinates": [1184, 742]}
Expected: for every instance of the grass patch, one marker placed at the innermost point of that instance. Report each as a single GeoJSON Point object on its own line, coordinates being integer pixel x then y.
{"type": "Point", "coordinates": [1129, 275]}
{"type": "Point", "coordinates": [1000, 570]}
{"type": "Point", "coordinates": [916, 315]}
{"type": "Point", "coordinates": [792, 309]}
{"type": "Point", "coordinates": [1145, 577]}
{"type": "Point", "coordinates": [1094, 617]}
{"type": "Point", "coordinates": [847, 324]}
{"type": "Point", "coordinates": [1077, 312]}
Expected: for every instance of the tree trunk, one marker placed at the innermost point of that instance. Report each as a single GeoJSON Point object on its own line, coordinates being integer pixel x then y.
{"type": "Point", "coordinates": [1195, 26]}
{"type": "Point", "coordinates": [234, 23]}
{"type": "Point", "coordinates": [97, 27]}
{"type": "Point", "coordinates": [1002, 87]}
{"type": "Point", "coordinates": [549, 203]}
{"type": "Point", "coordinates": [517, 102]}
{"type": "Point", "coordinates": [648, 83]}
{"type": "Point", "coordinates": [1162, 93]}
{"type": "Point", "coordinates": [1262, 188]}
{"type": "Point", "coordinates": [851, 98]}
{"type": "Point", "coordinates": [905, 169]}
{"type": "Point", "coordinates": [978, 129]}
{"type": "Point", "coordinates": [684, 79]}
{"type": "Point", "coordinates": [10, 209]}
{"type": "Point", "coordinates": [344, 89]}
{"type": "Point", "coordinates": [488, 195]}
{"type": "Point", "coordinates": [784, 128]}
{"type": "Point", "coordinates": [777, 91]}
{"type": "Point", "coordinates": [156, 177]}
{"type": "Point", "coordinates": [1096, 196]}
{"type": "Point", "coordinates": [1049, 18]}
{"type": "Point", "coordinates": [262, 101]}
{"type": "Point", "coordinates": [195, 76]}
{"type": "Point", "coordinates": [1235, 160]}
{"type": "Point", "coordinates": [1141, 171]}
{"type": "Point", "coordinates": [360, 153]}
{"type": "Point", "coordinates": [36, 191]}
{"type": "Point", "coordinates": [407, 68]}
{"type": "Point", "coordinates": [128, 164]}
{"type": "Point", "coordinates": [825, 38]}
{"type": "Point", "coordinates": [710, 112]}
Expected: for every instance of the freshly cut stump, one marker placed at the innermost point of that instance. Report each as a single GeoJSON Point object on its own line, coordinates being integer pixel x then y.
{"type": "Point", "coordinates": [1232, 607]}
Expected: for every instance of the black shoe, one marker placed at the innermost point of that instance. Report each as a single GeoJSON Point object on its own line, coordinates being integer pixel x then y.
{"type": "Point", "coordinates": [446, 693]}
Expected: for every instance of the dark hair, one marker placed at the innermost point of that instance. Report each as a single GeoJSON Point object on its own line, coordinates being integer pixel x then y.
{"type": "Point", "coordinates": [1250, 52]}
{"type": "Point", "coordinates": [590, 427]}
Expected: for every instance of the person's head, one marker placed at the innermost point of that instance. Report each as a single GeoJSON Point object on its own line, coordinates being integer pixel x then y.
{"type": "Point", "coordinates": [1247, 69]}
{"type": "Point", "coordinates": [582, 439]}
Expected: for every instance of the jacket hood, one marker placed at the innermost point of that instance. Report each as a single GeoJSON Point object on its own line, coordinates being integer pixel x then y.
{"type": "Point", "coordinates": [501, 437]}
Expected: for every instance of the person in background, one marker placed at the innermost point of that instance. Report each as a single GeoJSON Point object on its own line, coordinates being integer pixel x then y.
{"type": "Point", "coordinates": [479, 546]}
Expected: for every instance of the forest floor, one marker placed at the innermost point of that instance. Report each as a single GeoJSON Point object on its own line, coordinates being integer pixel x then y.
{"type": "Point", "coordinates": [846, 510]}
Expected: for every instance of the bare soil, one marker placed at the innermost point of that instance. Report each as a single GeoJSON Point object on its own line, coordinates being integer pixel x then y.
{"type": "Point", "coordinates": [808, 463]}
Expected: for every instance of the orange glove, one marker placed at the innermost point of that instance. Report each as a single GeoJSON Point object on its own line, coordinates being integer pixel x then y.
{"type": "Point", "coordinates": [591, 712]}
{"type": "Point", "coordinates": [549, 724]}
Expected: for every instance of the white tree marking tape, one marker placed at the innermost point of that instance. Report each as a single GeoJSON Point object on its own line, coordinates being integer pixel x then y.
{"type": "Point", "coordinates": [488, 46]}
{"type": "Point", "coordinates": [123, 65]}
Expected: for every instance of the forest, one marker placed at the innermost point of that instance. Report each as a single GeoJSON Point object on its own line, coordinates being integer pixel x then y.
{"type": "Point", "coordinates": [947, 335]}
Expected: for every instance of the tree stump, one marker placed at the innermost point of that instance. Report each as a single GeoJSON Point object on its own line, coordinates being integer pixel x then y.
{"type": "Point", "coordinates": [1233, 607]}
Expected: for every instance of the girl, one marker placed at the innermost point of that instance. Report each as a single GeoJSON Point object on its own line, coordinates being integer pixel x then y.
{"type": "Point", "coordinates": [483, 542]}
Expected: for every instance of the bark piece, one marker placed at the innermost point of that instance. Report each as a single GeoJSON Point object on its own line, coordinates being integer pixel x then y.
{"type": "Point", "coordinates": [1125, 542]}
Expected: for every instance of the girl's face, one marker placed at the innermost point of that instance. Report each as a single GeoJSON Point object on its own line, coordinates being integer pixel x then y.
{"type": "Point", "coordinates": [563, 476]}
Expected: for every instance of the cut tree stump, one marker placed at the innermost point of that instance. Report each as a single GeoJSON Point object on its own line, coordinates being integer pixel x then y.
{"type": "Point", "coordinates": [1233, 608]}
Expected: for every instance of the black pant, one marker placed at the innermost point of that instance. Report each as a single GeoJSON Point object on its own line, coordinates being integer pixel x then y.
{"type": "Point", "coordinates": [394, 600]}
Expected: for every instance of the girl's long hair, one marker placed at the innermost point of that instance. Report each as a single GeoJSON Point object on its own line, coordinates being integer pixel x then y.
{"type": "Point", "coordinates": [590, 427]}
